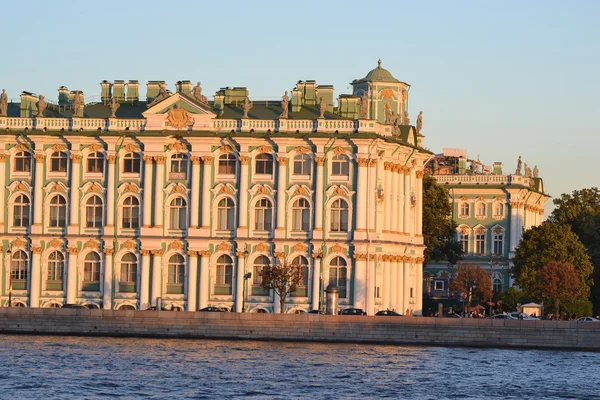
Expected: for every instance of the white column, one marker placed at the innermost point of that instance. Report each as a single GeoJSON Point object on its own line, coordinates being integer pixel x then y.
{"type": "Point", "coordinates": [407, 201]}
{"type": "Point", "coordinates": [74, 189]}
{"type": "Point", "coordinates": [72, 275]}
{"type": "Point", "coordinates": [110, 191]}
{"type": "Point", "coordinates": [399, 201]}
{"type": "Point", "coordinates": [108, 279]}
{"type": "Point", "coordinates": [243, 206]}
{"type": "Point", "coordinates": [37, 191]}
{"type": "Point", "coordinates": [204, 277]}
{"type": "Point", "coordinates": [145, 280]}
{"type": "Point", "coordinates": [370, 308]}
{"type": "Point", "coordinates": [36, 277]}
{"type": "Point", "coordinates": [513, 225]}
{"type": "Point", "coordinates": [319, 195]}
{"type": "Point", "coordinates": [385, 298]}
{"type": "Point", "coordinates": [195, 207]}
{"type": "Point", "coordinates": [361, 192]}
{"type": "Point", "coordinates": [2, 184]}
{"type": "Point", "coordinates": [405, 285]}
{"type": "Point", "coordinates": [419, 288]}
{"type": "Point", "coordinates": [419, 208]}
{"type": "Point", "coordinates": [148, 181]}
{"type": "Point", "coordinates": [206, 179]}
{"type": "Point", "coordinates": [394, 285]}
{"type": "Point", "coordinates": [156, 276]}
{"type": "Point", "coordinates": [192, 284]}
{"type": "Point", "coordinates": [390, 195]}
{"type": "Point", "coordinates": [360, 278]}
{"type": "Point", "coordinates": [372, 200]}
{"type": "Point", "coordinates": [159, 196]}
{"type": "Point", "coordinates": [316, 287]}
{"type": "Point", "coordinates": [239, 282]}
{"type": "Point", "coordinates": [281, 206]}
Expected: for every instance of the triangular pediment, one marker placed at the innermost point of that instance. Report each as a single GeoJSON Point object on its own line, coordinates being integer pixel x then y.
{"type": "Point", "coordinates": [179, 100]}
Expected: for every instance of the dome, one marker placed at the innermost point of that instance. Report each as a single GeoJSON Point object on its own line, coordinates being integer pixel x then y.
{"type": "Point", "coordinates": [379, 74]}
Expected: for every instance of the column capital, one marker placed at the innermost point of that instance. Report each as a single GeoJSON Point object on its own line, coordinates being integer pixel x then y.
{"type": "Point", "coordinates": [111, 159]}
{"type": "Point", "coordinates": [72, 250]}
{"type": "Point", "coordinates": [362, 162]}
{"type": "Point", "coordinates": [192, 253]}
{"type": "Point", "coordinates": [388, 166]}
{"type": "Point", "coordinates": [420, 174]}
{"type": "Point", "coordinates": [148, 159]}
{"type": "Point", "coordinates": [160, 160]}
{"type": "Point", "coordinates": [39, 158]}
{"type": "Point", "coordinates": [2, 157]}
{"type": "Point", "coordinates": [244, 160]}
{"type": "Point", "coordinates": [360, 257]}
{"type": "Point", "coordinates": [76, 158]}
{"type": "Point", "coordinates": [196, 160]}
{"type": "Point", "coordinates": [282, 161]}
{"type": "Point", "coordinates": [158, 252]}
{"type": "Point", "coordinates": [204, 253]}
{"type": "Point", "coordinates": [373, 163]}
{"type": "Point", "coordinates": [320, 161]}
{"type": "Point", "coordinates": [145, 252]}
{"type": "Point", "coordinates": [407, 170]}
{"type": "Point", "coordinates": [109, 251]}
{"type": "Point", "coordinates": [240, 254]}
{"type": "Point", "coordinates": [207, 160]}
{"type": "Point", "coordinates": [36, 250]}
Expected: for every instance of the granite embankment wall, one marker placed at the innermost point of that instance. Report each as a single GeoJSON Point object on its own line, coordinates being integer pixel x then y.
{"type": "Point", "coordinates": [303, 327]}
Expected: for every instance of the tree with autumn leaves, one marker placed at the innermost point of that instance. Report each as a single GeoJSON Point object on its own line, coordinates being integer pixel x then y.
{"type": "Point", "coordinates": [283, 278]}
{"type": "Point", "coordinates": [472, 280]}
{"type": "Point", "coordinates": [558, 281]}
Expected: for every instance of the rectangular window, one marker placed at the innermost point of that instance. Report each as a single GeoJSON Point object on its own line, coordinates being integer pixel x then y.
{"type": "Point", "coordinates": [439, 285]}
{"type": "Point", "coordinates": [224, 274]}
{"type": "Point", "coordinates": [480, 243]}
{"type": "Point", "coordinates": [340, 168]}
{"type": "Point", "coordinates": [132, 165]}
{"type": "Point", "coordinates": [464, 242]}
{"type": "Point", "coordinates": [498, 244]}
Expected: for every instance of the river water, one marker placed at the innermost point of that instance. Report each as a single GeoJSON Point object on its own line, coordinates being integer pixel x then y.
{"type": "Point", "coordinates": [46, 367]}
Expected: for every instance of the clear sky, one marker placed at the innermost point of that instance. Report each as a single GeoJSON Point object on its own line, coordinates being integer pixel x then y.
{"type": "Point", "coordinates": [500, 79]}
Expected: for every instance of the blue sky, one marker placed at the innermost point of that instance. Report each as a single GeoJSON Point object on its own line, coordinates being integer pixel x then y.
{"type": "Point", "coordinates": [500, 79]}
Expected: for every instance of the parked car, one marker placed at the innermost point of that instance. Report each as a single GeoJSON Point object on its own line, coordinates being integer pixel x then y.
{"type": "Point", "coordinates": [316, 312]}
{"type": "Point", "coordinates": [502, 316]}
{"type": "Point", "coordinates": [522, 316]}
{"type": "Point", "coordinates": [353, 311]}
{"type": "Point", "coordinates": [588, 319]}
{"type": "Point", "coordinates": [388, 313]}
{"type": "Point", "coordinates": [211, 309]}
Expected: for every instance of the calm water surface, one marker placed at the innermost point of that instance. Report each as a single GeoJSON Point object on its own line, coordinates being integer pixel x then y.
{"type": "Point", "coordinates": [36, 367]}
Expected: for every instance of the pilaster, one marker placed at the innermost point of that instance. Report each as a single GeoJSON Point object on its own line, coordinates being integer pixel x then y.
{"type": "Point", "coordinates": [319, 189]}
{"type": "Point", "coordinates": [148, 190]}
{"type": "Point", "coordinates": [195, 207]}
{"type": "Point", "coordinates": [206, 185]}
{"type": "Point", "coordinates": [192, 283]}
{"type": "Point", "coordinates": [204, 278]}
{"type": "Point", "coordinates": [72, 275]}
{"type": "Point", "coordinates": [36, 277]}
{"type": "Point", "coordinates": [156, 276]}
{"type": "Point", "coordinates": [159, 196]}
{"type": "Point", "coordinates": [242, 230]}
{"type": "Point", "coordinates": [145, 280]}
{"type": "Point", "coordinates": [74, 193]}
{"type": "Point", "coordinates": [108, 278]}
{"type": "Point", "coordinates": [281, 206]}
{"type": "Point", "coordinates": [37, 194]}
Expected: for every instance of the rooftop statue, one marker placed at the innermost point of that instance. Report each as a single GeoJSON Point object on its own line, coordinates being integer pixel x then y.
{"type": "Point", "coordinates": [41, 106]}
{"type": "Point", "coordinates": [519, 162]}
{"type": "Point", "coordinates": [364, 105]}
{"type": "Point", "coordinates": [527, 171]}
{"type": "Point", "coordinates": [162, 94]}
{"type": "Point", "coordinates": [536, 172]}
{"type": "Point", "coordinates": [322, 108]}
{"type": "Point", "coordinates": [197, 93]}
{"type": "Point", "coordinates": [387, 113]}
{"type": "Point", "coordinates": [78, 104]}
{"type": "Point", "coordinates": [396, 126]}
{"type": "Point", "coordinates": [419, 122]}
{"type": "Point", "coordinates": [406, 118]}
{"type": "Point", "coordinates": [114, 106]}
{"type": "Point", "coordinates": [246, 107]}
{"type": "Point", "coordinates": [285, 101]}
{"type": "Point", "coordinates": [3, 103]}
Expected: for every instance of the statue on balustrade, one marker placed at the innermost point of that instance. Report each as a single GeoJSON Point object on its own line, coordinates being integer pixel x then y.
{"type": "Point", "coordinates": [114, 106]}
{"type": "Point", "coordinates": [364, 105]}
{"type": "Point", "coordinates": [519, 163]}
{"type": "Point", "coordinates": [536, 172]}
{"type": "Point", "coordinates": [528, 173]}
{"type": "Point", "coordinates": [406, 118]}
{"type": "Point", "coordinates": [197, 93]}
{"type": "Point", "coordinates": [322, 108]}
{"type": "Point", "coordinates": [419, 122]}
{"type": "Point", "coordinates": [396, 124]}
{"type": "Point", "coordinates": [246, 107]}
{"type": "Point", "coordinates": [3, 103]}
{"type": "Point", "coordinates": [78, 104]}
{"type": "Point", "coordinates": [285, 101]}
{"type": "Point", "coordinates": [41, 106]}
{"type": "Point", "coordinates": [388, 113]}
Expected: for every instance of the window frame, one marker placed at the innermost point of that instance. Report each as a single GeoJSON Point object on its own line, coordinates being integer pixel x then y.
{"type": "Point", "coordinates": [263, 215]}
{"type": "Point", "coordinates": [338, 264]}
{"type": "Point", "coordinates": [57, 213]}
{"type": "Point", "coordinates": [227, 161]}
{"type": "Point", "coordinates": [132, 160]}
{"type": "Point", "coordinates": [225, 214]}
{"type": "Point", "coordinates": [181, 211]}
{"type": "Point", "coordinates": [130, 213]}
{"type": "Point", "coordinates": [62, 161]}
{"type": "Point", "coordinates": [337, 213]}
{"type": "Point", "coordinates": [96, 159]}
{"type": "Point", "coordinates": [338, 161]}
{"type": "Point", "coordinates": [302, 166]}
{"type": "Point", "coordinates": [25, 159]}
{"type": "Point", "coordinates": [304, 219]}
{"type": "Point", "coordinates": [25, 211]}
{"type": "Point", "coordinates": [95, 207]}
{"type": "Point", "coordinates": [264, 164]}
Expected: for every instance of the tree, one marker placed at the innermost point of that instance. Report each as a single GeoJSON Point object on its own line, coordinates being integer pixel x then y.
{"type": "Point", "coordinates": [559, 281]}
{"type": "Point", "coordinates": [283, 278]}
{"type": "Point", "coordinates": [472, 280]}
{"type": "Point", "coordinates": [439, 230]}
{"type": "Point", "coordinates": [543, 244]}
{"type": "Point", "coordinates": [581, 211]}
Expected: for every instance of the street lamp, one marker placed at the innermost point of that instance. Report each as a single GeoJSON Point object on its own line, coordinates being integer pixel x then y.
{"type": "Point", "coordinates": [247, 275]}
{"type": "Point", "coordinates": [8, 252]}
{"type": "Point", "coordinates": [318, 255]}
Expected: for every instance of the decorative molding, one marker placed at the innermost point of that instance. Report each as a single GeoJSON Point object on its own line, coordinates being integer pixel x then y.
{"type": "Point", "coordinates": [131, 148]}
{"type": "Point", "coordinates": [244, 160]}
{"type": "Point", "coordinates": [39, 158]}
{"type": "Point", "coordinates": [262, 248]}
{"type": "Point", "coordinates": [204, 253]}
{"type": "Point", "coordinates": [145, 252]}
{"type": "Point", "coordinates": [360, 257]}
{"type": "Point", "coordinates": [21, 147]}
{"type": "Point", "coordinates": [387, 166]}
{"type": "Point", "coordinates": [419, 174]}
{"type": "Point", "coordinates": [320, 161]}
{"type": "Point", "coordinates": [300, 248]}
{"type": "Point", "coordinates": [301, 150]}
{"type": "Point", "coordinates": [56, 243]}
{"type": "Point", "coordinates": [58, 147]}
{"type": "Point", "coordinates": [192, 253]}
{"type": "Point", "coordinates": [225, 246]}
{"type": "Point", "coordinates": [109, 251]}
{"type": "Point", "coordinates": [129, 245]}
{"type": "Point", "coordinates": [111, 159]}
{"type": "Point", "coordinates": [92, 244]}
{"type": "Point", "coordinates": [279, 255]}
{"type": "Point", "coordinates": [73, 250]}
{"type": "Point", "coordinates": [158, 252]}
{"type": "Point", "coordinates": [148, 159]}
{"type": "Point", "coordinates": [94, 147]}
{"type": "Point", "coordinates": [36, 250]}
{"type": "Point", "coordinates": [2, 157]}
{"type": "Point", "coordinates": [264, 149]}
{"type": "Point", "coordinates": [207, 160]}
{"type": "Point", "coordinates": [160, 160]}
{"type": "Point", "coordinates": [338, 151]}
{"type": "Point", "coordinates": [18, 242]}
{"type": "Point", "coordinates": [282, 161]}
{"type": "Point", "coordinates": [176, 245]}
{"type": "Point", "coordinates": [301, 191]}
{"type": "Point", "coordinates": [196, 160]}
{"type": "Point", "coordinates": [177, 147]}
{"type": "Point", "coordinates": [225, 149]}
{"type": "Point", "coordinates": [362, 162]}
{"type": "Point", "coordinates": [338, 249]}
{"type": "Point", "coordinates": [240, 254]}
{"type": "Point", "coordinates": [76, 158]}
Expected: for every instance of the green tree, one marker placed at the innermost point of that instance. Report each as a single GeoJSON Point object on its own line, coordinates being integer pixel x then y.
{"type": "Point", "coordinates": [283, 278]}
{"type": "Point", "coordinates": [439, 230]}
{"type": "Point", "coordinates": [581, 211]}
{"type": "Point", "coordinates": [512, 297]}
{"type": "Point", "coordinates": [472, 280]}
{"type": "Point", "coordinates": [543, 244]}
{"type": "Point", "coordinates": [559, 281]}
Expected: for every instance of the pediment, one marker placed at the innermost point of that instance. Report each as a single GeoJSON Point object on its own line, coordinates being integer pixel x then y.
{"type": "Point", "coordinates": [178, 112]}
{"type": "Point", "coordinates": [178, 100]}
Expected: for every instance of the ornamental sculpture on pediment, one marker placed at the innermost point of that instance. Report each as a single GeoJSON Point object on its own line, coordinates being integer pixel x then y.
{"type": "Point", "coordinates": [56, 243]}
{"type": "Point", "coordinates": [337, 249]}
{"type": "Point", "coordinates": [131, 148]}
{"type": "Point", "coordinates": [300, 248]}
{"type": "Point", "coordinates": [176, 246]}
{"type": "Point", "coordinates": [94, 147]}
{"type": "Point", "coordinates": [536, 172]}
{"type": "Point", "coordinates": [262, 248]}
{"type": "Point", "coordinates": [197, 93]}
{"type": "Point", "coordinates": [419, 122]}
{"type": "Point", "coordinates": [225, 246]}
{"type": "Point", "coordinates": [162, 94]}
{"type": "Point", "coordinates": [129, 245]}
{"type": "Point", "coordinates": [179, 118]}
{"type": "Point", "coordinates": [92, 244]}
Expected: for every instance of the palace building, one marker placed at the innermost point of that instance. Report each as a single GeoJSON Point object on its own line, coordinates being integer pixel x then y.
{"type": "Point", "coordinates": [123, 201]}
{"type": "Point", "coordinates": [492, 208]}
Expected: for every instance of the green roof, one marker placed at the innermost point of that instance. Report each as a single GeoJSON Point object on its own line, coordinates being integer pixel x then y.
{"type": "Point", "coordinates": [379, 74]}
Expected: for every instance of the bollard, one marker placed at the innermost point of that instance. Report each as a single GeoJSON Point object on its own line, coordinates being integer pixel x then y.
{"type": "Point", "coordinates": [332, 295]}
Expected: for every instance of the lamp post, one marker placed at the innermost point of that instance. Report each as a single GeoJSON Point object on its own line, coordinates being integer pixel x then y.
{"type": "Point", "coordinates": [492, 258]}
{"type": "Point", "coordinates": [8, 252]}
{"type": "Point", "coordinates": [247, 275]}
{"type": "Point", "coordinates": [318, 255]}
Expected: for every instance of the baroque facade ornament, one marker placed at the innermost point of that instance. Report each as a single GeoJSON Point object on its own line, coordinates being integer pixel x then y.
{"type": "Point", "coordinates": [21, 147]}
{"type": "Point", "coordinates": [263, 190]}
{"type": "Point", "coordinates": [337, 249]}
{"type": "Point", "coordinates": [56, 243]}
{"type": "Point", "coordinates": [300, 248]}
{"type": "Point", "coordinates": [264, 149]}
{"type": "Point", "coordinates": [244, 160]}
{"type": "Point", "coordinates": [131, 148]}
{"type": "Point", "coordinates": [338, 151]}
{"type": "Point", "coordinates": [225, 149]}
{"type": "Point", "coordinates": [94, 147]}
{"type": "Point", "coordinates": [179, 118]}
{"type": "Point", "coordinates": [320, 161]}
{"type": "Point", "coordinates": [72, 250]}
{"type": "Point", "coordinates": [282, 160]}
{"type": "Point", "coordinates": [58, 147]}
{"type": "Point", "coordinates": [129, 245]}
{"type": "Point", "coordinates": [225, 246]}
{"type": "Point", "coordinates": [178, 147]}
{"type": "Point", "coordinates": [301, 150]}
{"type": "Point", "coordinates": [18, 242]}
{"type": "Point", "coordinates": [301, 191]}
{"type": "Point", "coordinates": [262, 248]}
{"type": "Point", "coordinates": [176, 246]}
{"type": "Point", "coordinates": [131, 188]}
{"type": "Point", "coordinates": [92, 244]}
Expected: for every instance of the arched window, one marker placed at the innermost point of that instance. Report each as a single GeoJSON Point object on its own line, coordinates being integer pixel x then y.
{"type": "Point", "coordinates": [339, 216]}
{"type": "Point", "coordinates": [302, 164]}
{"type": "Point", "coordinates": [23, 161]}
{"type": "Point", "coordinates": [499, 209]}
{"type": "Point", "coordinates": [58, 161]}
{"type": "Point", "coordinates": [179, 166]}
{"type": "Point", "coordinates": [18, 270]}
{"type": "Point", "coordinates": [131, 213]}
{"type": "Point", "coordinates": [21, 211]}
{"type": "Point", "coordinates": [58, 212]}
{"type": "Point", "coordinates": [464, 209]}
{"type": "Point", "coordinates": [176, 270]}
{"type": "Point", "coordinates": [56, 265]}
{"type": "Point", "coordinates": [261, 263]}
{"type": "Point", "coordinates": [227, 164]}
{"type": "Point", "coordinates": [497, 285]}
{"type": "Point", "coordinates": [340, 165]}
{"type": "Point", "coordinates": [132, 163]}
{"type": "Point", "coordinates": [481, 209]}
{"type": "Point", "coordinates": [301, 215]}
{"type": "Point", "coordinates": [225, 214]}
{"type": "Point", "coordinates": [93, 212]}
{"type": "Point", "coordinates": [302, 288]}
{"type": "Point", "coordinates": [338, 275]}
{"type": "Point", "coordinates": [263, 215]}
{"type": "Point", "coordinates": [224, 275]}
{"type": "Point", "coordinates": [128, 276]}
{"type": "Point", "coordinates": [91, 272]}
{"type": "Point", "coordinates": [264, 164]}
{"type": "Point", "coordinates": [95, 162]}
{"type": "Point", "coordinates": [178, 213]}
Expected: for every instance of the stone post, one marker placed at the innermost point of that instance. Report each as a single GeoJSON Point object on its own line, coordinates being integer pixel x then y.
{"type": "Point", "coordinates": [192, 281]}
{"type": "Point", "coordinates": [147, 213]}
{"type": "Point", "coordinates": [159, 211]}
{"type": "Point", "coordinates": [204, 278]}
{"type": "Point", "coordinates": [36, 277]}
{"type": "Point", "coordinates": [108, 278]}
{"type": "Point", "coordinates": [145, 280]}
{"type": "Point", "coordinates": [72, 275]}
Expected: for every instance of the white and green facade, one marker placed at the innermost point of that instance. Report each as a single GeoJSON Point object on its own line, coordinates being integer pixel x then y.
{"type": "Point", "coordinates": [180, 199]}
